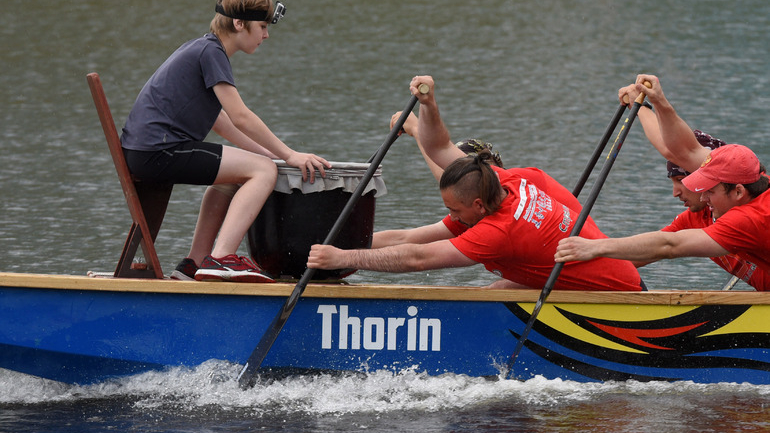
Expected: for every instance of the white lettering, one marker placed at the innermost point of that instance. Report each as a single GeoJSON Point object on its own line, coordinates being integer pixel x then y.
{"type": "Point", "coordinates": [374, 333]}
{"type": "Point", "coordinates": [566, 220]}
{"type": "Point", "coordinates": [393, 324]}
{"type": "Point", "coordinates": [326, 312]}
{"type": "Point", "coordinates": [435, 325]}
{"type": "Point", "coordinates": [378, 333]}
{"type": "Point", "coordinates": [411, 326]}
{"type": "Point", "coordinates": [355, 326]}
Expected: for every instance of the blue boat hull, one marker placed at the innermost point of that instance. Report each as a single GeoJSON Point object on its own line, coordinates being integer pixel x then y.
{"type": "Point", "coordinates": [88, 335]}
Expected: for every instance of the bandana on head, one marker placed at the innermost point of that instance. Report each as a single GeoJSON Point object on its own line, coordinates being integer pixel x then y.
{"type": "Point", "coordinates": [473, 146]}
{"type": "Point", "coordinates": [705, 140]}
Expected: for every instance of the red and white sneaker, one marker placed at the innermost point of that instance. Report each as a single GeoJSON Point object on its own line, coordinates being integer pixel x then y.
{"type": "Point", "coordinates": [231, 268]}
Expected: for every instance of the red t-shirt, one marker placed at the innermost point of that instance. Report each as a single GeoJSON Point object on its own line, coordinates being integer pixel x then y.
{"type": "Point", "coordinates": [519, 240]}
{"type": "Point", "coordinates": [743, 269]}
{"type": "Point", "coordinates": [745, 231]}
{"type": "Point", "coordinates": [533, 175]}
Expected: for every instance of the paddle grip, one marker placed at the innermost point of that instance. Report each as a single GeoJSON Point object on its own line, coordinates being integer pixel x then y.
{"type": "Point", "coordinates": [639, 99]}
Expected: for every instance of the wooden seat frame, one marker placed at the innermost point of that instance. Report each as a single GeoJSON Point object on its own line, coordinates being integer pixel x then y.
{"type": "Point", "coordinates": [147, 202]}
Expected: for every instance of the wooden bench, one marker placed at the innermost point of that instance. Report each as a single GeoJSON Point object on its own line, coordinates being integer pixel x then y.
{"type": "Point", "coordinates": [147, 202]}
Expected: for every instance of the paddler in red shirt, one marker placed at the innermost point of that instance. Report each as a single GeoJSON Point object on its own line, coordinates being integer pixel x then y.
{"type": "Point", "coordinates": [513, 225]}
{"type": "Point", "coordinates": [731, 181]}
{"type": "Point", "coordinates": [698, 214]}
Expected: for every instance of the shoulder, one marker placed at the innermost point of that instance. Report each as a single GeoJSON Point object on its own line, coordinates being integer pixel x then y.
{"type": "Point", "coordinates": [757, 209]}
{"type": "Point", "coordinates": [748, 221]}
{"type": "Point", "coordinates": [201, 43]}
{"type": "Point", "coordinates": [707, 140]}
{"type": "Point", "coordinates": [487, 238]}
{"type": "Point", "coordinates": [206, 46]}
{"type": "Point", "coordinates": [456, 227]}
{"type": "Point", "coordinates": [762, 200]}
{"type": "Point", "coordinates": [205, 49]}
{"type": "Point", "coordinates": [689, 220]}
{"type": "Point", "coordinates": [518, 171]}
{"type": "Point", "coordinates": [210, 45]}
{"type": "Point", "coordinates": [509, 176]}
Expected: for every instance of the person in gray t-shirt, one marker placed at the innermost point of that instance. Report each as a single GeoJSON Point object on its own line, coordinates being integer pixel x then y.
{"type": "Point", "coordinates": [192, 93]}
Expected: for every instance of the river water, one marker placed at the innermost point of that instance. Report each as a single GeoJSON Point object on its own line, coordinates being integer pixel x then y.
{"type": "Point", "coordinates": [537, 79]}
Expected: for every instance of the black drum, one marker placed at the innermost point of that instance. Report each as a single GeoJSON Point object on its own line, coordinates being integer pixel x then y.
{"type": "Point", "coordinates": [299, 214]}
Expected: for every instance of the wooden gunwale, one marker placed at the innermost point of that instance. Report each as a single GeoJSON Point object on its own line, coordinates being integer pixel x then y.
{"type": "Point", "coordinates": [368, 291]}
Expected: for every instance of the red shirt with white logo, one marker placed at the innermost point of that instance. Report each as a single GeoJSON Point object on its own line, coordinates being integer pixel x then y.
{"type": "Point", "coordinates": [518, 241]}
{"type": "Point", "coordinates": [533, 175]}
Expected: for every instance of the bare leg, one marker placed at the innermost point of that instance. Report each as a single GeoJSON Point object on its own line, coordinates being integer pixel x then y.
{"type": "Point", "coordinates": [257, 176]}
{"type": "Point", "coordinates": [212, 213]}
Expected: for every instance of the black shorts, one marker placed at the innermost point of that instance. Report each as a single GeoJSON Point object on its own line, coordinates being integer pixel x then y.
{"type": "Point", "coordinates": [190, 162]}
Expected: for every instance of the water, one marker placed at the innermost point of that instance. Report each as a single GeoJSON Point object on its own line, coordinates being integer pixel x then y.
{"type": "Point", "coordinates": [537, 79]}
{"type": "Point", "coordinates": [205, 400]}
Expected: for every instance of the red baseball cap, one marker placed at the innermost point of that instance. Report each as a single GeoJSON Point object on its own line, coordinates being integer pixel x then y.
{"type": "Point", "coordinates": [731, 163]}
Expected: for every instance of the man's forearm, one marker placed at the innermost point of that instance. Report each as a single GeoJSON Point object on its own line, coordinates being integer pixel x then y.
{"type": "Point", "coordinates": [645, 247]}
{"type": "Point", "coordinates": [397, 258]}
{"type": "Point", "coordinates": [387, 238]}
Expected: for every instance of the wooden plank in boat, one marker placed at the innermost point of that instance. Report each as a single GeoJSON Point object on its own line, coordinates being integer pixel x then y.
{"type": "Point", "coordinates": [360, 291]}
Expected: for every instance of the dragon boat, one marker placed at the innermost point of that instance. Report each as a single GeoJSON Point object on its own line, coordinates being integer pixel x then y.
{"type": "Point", "coordinates": [81, 329]}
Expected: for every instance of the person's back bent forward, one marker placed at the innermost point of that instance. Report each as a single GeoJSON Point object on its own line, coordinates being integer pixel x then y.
{"type": "Point", "coordinates": [513, 229]}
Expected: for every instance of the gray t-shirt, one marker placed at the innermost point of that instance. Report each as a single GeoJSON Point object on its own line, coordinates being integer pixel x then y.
{"type": "Point", "coordinates": [178, 103]}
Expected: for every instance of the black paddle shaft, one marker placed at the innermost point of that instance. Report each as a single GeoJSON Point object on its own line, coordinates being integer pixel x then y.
{"type": "Point", "coordinates": [247, 377]}
{"type": "Point", "coordinates": [577, 228]}
{"type": "Point", "coordinates": [599, 149]}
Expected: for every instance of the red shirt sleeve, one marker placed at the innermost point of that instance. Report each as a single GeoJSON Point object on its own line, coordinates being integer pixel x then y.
{"type": "Point", "coordinates": [456, 227]}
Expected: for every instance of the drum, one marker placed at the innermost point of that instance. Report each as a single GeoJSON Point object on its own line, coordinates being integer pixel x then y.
{"type": "Point", "coordinates": [299, 214]}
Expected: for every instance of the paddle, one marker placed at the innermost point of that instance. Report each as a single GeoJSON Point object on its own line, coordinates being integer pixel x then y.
{"type": "Point", "coordinates": [247, 377]}
{"type": "Point", "coordinates": [599, 149]}
{"type": "Point", "coordinates": [549, 284]}
{"type": "Point", "coordinates": [730, 284]}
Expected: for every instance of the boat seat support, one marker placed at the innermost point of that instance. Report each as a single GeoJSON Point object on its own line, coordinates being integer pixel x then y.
{"type": "Point", "coordinates": [147, 202]}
